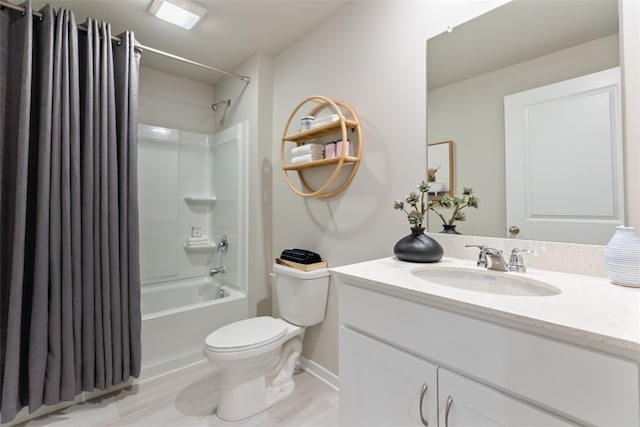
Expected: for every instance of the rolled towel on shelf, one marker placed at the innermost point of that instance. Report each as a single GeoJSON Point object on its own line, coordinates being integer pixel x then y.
{"type": "Point", "coordinates": [307, 149]}
{"type": "Point", "coordinates": [306, 158]}
{"type": "Point", "coordinates": [321, 121]}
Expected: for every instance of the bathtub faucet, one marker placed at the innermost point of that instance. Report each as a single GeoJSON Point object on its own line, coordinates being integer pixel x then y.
{"type": "Point", "coordinates": [215, 270]}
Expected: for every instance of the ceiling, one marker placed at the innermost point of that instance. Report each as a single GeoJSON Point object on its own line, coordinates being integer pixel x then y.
{"type": "Point", "coordinates": [516, 32]}
{"type": "Point", "coordinates": [229, 34]}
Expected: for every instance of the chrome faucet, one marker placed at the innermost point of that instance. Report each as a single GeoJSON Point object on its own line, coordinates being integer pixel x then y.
{"type": "Point", "coordinates": [215, 270]}
{"type": "Point", "coordinates": [493, 259]}
{"type": "Point", "coordinates": [496, 259]}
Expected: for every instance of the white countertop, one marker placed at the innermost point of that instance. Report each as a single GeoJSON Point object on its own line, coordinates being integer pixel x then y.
{"type": "Point", "coordinates": [588, 307]}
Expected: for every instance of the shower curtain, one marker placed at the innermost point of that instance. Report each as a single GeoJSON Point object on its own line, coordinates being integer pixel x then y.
{"type": "Point", "coordinates": [69, 271]}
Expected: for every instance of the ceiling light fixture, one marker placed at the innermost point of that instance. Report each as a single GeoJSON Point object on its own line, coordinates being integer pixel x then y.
{"type": "Point", "coordinates": [182, 13]}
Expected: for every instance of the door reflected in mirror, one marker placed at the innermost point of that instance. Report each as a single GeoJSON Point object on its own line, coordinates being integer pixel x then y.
{"type": "Point", "coordinates": [521, 46]}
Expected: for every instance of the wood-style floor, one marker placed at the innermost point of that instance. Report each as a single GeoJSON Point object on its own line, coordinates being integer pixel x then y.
{"type": "Point", "coordinates": [188, 398]}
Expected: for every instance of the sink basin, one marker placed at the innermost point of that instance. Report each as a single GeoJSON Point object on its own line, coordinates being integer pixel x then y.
{"type": "Point", "coordinates": [487, 281]}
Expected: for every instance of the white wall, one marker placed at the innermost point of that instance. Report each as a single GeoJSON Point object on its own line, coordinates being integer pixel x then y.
{"type": "Point", "coordinates": [175, 102]}
{"type": "Point", "coordinates": [478, 103]}
{"type": "Point", "coordinates": [372, 56]}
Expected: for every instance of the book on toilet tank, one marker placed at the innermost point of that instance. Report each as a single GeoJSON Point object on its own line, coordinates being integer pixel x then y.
{"type": "Point", "coordinates": [303, 267]}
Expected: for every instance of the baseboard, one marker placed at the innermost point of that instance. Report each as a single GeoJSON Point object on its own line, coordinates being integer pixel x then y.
{"type": "Point", "coordinates": [327, 377]}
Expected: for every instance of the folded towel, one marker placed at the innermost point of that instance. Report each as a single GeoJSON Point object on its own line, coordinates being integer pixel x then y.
{"type": "Point", "coordinates": [302, 256]}
{"type": "Point", "coordinates": [307, 149]}
{"type": "Point", "coordinates": [197, 243]}
{"type": "Point", "coordinates": [306, 158]}
{"type": "Point", "coordinates": [320, 121]}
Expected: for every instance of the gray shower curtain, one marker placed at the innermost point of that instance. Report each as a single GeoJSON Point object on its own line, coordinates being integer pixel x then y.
{"type": "Point", "coordinates": [69, 272]}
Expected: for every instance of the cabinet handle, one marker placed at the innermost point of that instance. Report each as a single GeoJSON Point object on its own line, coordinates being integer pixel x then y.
{"type": "Point", "coordinates": [423, 392]}
{"type": "Point", "coordinates": [446, 411]}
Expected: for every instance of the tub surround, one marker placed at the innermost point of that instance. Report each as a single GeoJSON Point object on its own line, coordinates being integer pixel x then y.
{"type": "Point", "coordinates": [588, 307]}
{"type": "Point", "coordinates": [412, 350]}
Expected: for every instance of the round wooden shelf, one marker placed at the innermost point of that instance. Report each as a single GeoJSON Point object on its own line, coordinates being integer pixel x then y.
{"type": "Point", "coordinates": [347, 120]}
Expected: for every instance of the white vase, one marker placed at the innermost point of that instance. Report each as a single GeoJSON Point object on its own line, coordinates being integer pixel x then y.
{"type": "Point", "coordinates": [622, 257]}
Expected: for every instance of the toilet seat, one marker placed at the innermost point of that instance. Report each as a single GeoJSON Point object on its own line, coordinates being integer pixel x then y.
{"type": "Point", "coordinates": [246, 335]}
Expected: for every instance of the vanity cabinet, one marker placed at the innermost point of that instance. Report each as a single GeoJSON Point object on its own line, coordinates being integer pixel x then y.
{"type": "Point", "coordinates": [464, 402]}
{"type": "Point", "coordinates": [491, 373]}
{"type": "Point", "coordinates": [381, 385]}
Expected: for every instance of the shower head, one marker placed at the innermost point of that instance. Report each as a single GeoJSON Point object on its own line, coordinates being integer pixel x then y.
{"type": "Point", "coordinates": [217, 105]}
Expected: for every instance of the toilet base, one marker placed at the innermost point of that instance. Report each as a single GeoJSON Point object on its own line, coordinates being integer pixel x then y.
{"type": "Point", "coordinates": [250, 390]}
{"type": "Point", "coordinates": [232, 408]}
{"type": "Point", "coordinates": [281, 392]}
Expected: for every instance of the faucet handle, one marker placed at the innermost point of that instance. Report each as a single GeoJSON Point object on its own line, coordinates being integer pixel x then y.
{"type": "Point", "coordinates": [482, 257]}
{"type": "Point", "coordinates": [223, 244]}
{"type": "Point", "coordinates": [518, 251]}
{"type": "Point", "coordinates": [516, 262]}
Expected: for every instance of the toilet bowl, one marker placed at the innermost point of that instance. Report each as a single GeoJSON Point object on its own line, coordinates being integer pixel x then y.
{"type": "Point", "coordinates": [258, 355]}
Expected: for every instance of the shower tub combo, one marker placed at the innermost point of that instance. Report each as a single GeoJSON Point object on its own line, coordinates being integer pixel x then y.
{"type": "Point", "coordinates": [190, 181]}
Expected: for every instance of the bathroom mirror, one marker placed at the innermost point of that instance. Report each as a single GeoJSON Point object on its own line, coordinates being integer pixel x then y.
{"type": "Point", "coordinates": [517, 47]}
{"type": "Point", "coordinates": [440, 169]}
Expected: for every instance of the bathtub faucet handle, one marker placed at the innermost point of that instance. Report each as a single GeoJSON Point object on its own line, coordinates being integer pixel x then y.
{"type": "Point", "coordinates": [223, 244]}
{"type": "Point", "coordinates": [215, 270]}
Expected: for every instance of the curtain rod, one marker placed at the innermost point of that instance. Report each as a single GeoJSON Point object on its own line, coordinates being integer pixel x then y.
{"type": "Point", "coordinates": [139, 46]}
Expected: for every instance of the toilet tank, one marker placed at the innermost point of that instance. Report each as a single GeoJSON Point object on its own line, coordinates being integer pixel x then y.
{"type": "Point", "coordinates": [302, 295]}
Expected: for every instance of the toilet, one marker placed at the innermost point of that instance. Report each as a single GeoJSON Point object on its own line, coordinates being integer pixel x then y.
{"type": "Point", "coordinates": [258, 355]}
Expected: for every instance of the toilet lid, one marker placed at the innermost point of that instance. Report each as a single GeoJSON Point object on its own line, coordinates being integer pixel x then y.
{"type": "Point", "coordinates": [246, 334]}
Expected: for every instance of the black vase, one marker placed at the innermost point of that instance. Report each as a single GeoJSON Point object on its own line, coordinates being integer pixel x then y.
{"type": "Point", "coordinates": [449, 229]}
{"type": "Point", "coordinates": [418, 247]}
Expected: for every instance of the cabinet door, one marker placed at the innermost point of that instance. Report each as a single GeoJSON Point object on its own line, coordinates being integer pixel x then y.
{"type": "Point", "coordinates": [381, 385]}
{"type": "Point", "coordinates": [473, 404]}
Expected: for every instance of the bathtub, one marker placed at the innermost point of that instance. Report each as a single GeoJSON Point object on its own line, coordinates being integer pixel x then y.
{"type": "Point", "coordinates": [178, 315]}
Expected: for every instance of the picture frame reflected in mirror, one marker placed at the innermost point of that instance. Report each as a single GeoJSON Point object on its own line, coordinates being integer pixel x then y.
{"type": "Point", "coordinates": [440, 169]}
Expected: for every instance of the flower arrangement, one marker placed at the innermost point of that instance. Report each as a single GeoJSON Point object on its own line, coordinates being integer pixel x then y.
{"type": "Point", "coordinates": [458, 203]}
{"type": "Point", "coordinates": [415, 206]}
